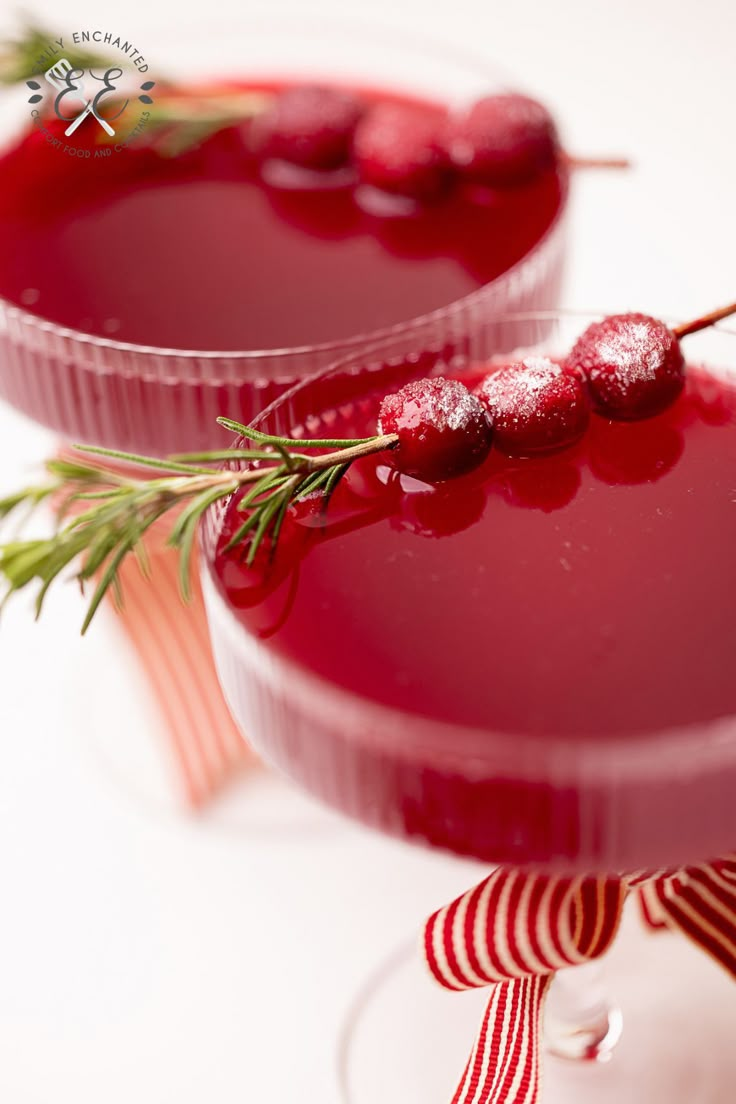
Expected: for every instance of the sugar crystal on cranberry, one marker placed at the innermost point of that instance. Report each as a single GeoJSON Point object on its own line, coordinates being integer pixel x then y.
{"type": "Point", "coordinates": [443, 430]}
{"type": "Point", "coordinates": [534, 406]}
{"type": "Point", "coordinates": [502, 140]}
{"type": "Point", "coordinates": [399, 148]}
{"type": "Point", "coordinates": [308, 125]}
{"type": "Point", "coordinates": [633, 364]}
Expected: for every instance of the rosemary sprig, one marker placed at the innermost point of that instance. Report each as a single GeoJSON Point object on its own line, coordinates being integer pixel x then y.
{"type": "Point", "coordinates": [117, 509]}
{"type": "Point", "coordinates": [24, 56]}
{"type": "Point", "coordinates": [184, 119]}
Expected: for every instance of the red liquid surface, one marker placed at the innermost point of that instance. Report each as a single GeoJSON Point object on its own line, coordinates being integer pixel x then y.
{"type": "Point", "coordinates": [197, 252]}
{"type": "Point", "coordinates": [585, 596]}
{"type": "Point", "coordinates": [584, 593]}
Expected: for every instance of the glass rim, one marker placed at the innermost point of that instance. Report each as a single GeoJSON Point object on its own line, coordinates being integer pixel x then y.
{"type": "Point", "coordinates": [534, 757]}
{"type": "Point", "coordinates": [727, 327]}
{"type": "Point", "coordinates": [347, 26]}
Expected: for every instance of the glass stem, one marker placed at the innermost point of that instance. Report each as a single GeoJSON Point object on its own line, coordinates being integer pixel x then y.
{"type": "Point", "coordinates": [580, 1022]}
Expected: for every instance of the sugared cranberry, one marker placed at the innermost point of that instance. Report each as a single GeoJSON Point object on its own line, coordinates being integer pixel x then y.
{"type": "Point", "coordinates": [633, 364]}
{"type": "Point", "coordinates": [308, 125]}
{"type": "Point", "coordinates": [443, 430]}
{"type": "Point", "coordinates": [502, 139]}
{"type": "Point", "coordinates": [534, 406]}
{"type": "Point", "coordinates": [399, 148]}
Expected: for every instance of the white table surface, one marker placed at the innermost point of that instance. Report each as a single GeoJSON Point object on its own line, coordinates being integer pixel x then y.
{"type": "Point", "coordinates": [150, 956]}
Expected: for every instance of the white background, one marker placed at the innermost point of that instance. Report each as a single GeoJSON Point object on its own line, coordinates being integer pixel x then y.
{"type": "Point", "coordinates": [149, 956]}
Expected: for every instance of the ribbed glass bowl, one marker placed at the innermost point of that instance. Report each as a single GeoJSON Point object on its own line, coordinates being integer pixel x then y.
{"type": "Point", "coordinates": [160, 400]}
{"type": "Point", "coordinates": [601, 803]}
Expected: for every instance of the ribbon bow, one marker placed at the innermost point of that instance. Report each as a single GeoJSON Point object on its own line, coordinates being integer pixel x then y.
{"type": "Point", "coordinates": [515, 930]}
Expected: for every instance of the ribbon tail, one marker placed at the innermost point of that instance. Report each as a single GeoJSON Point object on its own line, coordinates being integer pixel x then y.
{"type": "Point", "coordinates": [653, 915]}
{"type": "Point", "coordinates": [701, 903]}
{"type": "Point", "coordinates": [172, 643]}
{"type": "Point", "coordinates": [504, 1066]}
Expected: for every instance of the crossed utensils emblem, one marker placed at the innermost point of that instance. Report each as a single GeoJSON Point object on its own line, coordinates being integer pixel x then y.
{"type": "Point", "coordinates": [64, 78]}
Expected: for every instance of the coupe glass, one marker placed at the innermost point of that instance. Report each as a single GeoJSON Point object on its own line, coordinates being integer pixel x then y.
{"type": "Point", "coordinates": [162, 400]}
{"type": "Point", "coordinates": [612, 804]}
{"type": "Point", "coordinates": [146, 399]}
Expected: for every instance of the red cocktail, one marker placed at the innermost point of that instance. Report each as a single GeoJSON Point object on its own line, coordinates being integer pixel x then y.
{"type": "Point", "coordinates": [532, 664]}
{"type": "Point", "coordinates": [189, 275]}
{"type": "Point", "coordinates": [517, 665]}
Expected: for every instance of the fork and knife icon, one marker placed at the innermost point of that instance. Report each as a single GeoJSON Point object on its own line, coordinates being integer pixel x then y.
{"type": "Point", "coordinates": [57, 77]}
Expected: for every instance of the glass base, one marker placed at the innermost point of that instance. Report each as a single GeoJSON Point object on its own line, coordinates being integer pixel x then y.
{"type": "Point", "coordinates": [406, 1041]}
{"type": "Point", "coordinates": [253, 802]}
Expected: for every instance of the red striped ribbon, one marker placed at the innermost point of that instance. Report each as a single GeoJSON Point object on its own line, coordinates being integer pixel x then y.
{"type": "Point", "coordinates": [171, 641]}
{"type": "Point", "coordinates": [515, 930]}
